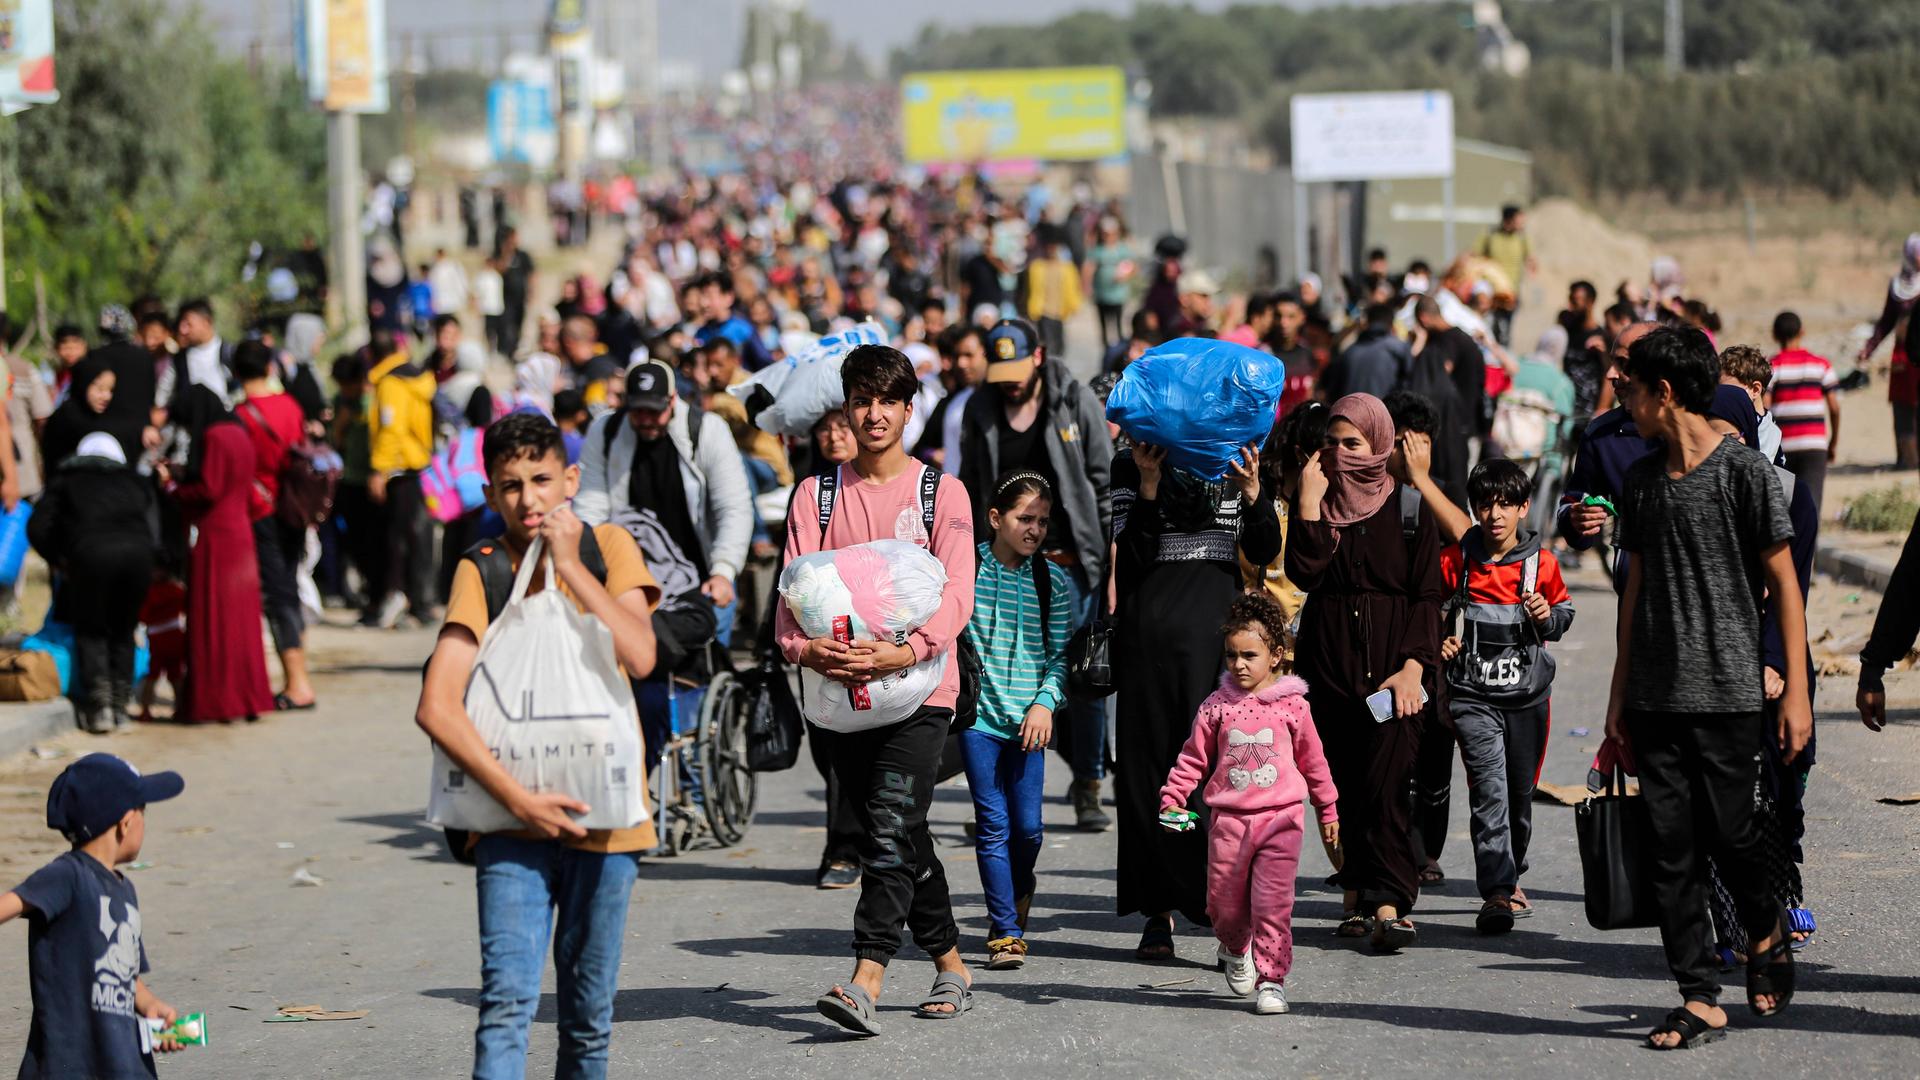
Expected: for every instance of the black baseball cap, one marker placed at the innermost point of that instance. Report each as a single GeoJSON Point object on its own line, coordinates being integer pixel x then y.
{"type": "Point", "coordinates": [649, 386]}
{"type": "Point", "coordinates": [91, 795]}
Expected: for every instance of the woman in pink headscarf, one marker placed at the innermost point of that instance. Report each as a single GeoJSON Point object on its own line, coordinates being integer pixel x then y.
{"type": "Point", "coordinates": [1368, 555]}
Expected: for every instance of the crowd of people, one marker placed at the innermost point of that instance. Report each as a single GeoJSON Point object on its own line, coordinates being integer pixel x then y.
{"type": "Point", "coordinates": [1375, 584]}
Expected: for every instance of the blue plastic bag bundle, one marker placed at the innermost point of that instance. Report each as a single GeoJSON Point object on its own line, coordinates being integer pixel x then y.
{"type": "Point", "coordinates": [56, 639]}
{"type": "Point", "coordinates": [13, 542]}
{"type": "Point", "coordinates": [1199, 399]}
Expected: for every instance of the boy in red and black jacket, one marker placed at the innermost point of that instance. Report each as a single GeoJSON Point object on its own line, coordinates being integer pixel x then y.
{"type": "Point", "coordinates": [1499, 676]}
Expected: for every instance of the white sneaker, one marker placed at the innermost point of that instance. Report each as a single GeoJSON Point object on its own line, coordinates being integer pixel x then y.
{"type": "Point", "coordinates": [1272, 1000]}
{"type": "Point", "coordinates": [1239, 970]}
{"type": "Point", "coordinates": [391, 609]}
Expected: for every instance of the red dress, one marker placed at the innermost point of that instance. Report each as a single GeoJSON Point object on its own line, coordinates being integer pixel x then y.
{"type": "Point", "coordinates": [226, 663]}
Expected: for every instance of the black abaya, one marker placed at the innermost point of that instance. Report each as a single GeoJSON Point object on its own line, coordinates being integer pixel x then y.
{"type": "Point", "coordinates": [1177, 575]}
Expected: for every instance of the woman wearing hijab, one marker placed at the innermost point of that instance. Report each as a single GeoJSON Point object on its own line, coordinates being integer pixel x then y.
{"type": "Point", "coordinates": [1903, 381]}
{"type": "Point", "coordinates": [87, 410]}
{"type": "Point", "coordinates": [1733, 415]}
{"type": "Point", "coordinates": [1179, 538]}
{"type": "Point", "coordinates": [306, 336]}
{"type": "Point", "coordinates": [1370, 565]}
{"type": "Point", "coordinates": [95, 525]}
{"type": "Point", "coordinates": [226, 664]}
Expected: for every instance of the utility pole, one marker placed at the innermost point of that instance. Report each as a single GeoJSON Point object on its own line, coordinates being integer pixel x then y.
{"type": "Point", "coordinates": [1676, 39]}
{"type": "Point", "coordinates": [348, 274]}
{"type": "Point", "coordinates": [1619, 46]}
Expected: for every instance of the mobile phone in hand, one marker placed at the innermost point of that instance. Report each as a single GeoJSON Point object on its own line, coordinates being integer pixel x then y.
{"type": "Point", "coordinates": [1381, 704]}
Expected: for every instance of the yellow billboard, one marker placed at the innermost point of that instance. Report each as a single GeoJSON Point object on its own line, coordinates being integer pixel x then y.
{"type": "Point", "coordinates": [1046, 114]}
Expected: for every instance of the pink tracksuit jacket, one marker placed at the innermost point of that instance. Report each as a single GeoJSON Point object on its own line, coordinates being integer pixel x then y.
{"type": "Point", "coordinates": [1262, 750]}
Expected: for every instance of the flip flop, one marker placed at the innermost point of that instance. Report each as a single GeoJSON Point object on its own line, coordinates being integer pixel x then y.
{"type": "Point", "coordinates": [948, 989]}
{"type": "Point", "coordinates": [857, 1017]}
{"type": "Point", "coordinates": [283, 703]}
{"type": "Point", "coordinates": [1156, 941]}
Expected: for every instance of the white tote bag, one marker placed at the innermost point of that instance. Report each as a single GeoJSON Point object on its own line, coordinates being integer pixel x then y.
{"type": "Point", "coordinates": [549, 699]}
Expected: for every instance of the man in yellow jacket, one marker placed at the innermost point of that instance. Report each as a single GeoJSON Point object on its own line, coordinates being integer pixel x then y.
{"type": "Point", "coordinates": [400, 447]}
{"type": "Point", "coordinates": [1053, 289]}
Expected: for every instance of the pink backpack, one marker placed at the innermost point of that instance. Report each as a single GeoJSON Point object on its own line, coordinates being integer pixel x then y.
{"type": "Point", "coordinates": [454, 482]}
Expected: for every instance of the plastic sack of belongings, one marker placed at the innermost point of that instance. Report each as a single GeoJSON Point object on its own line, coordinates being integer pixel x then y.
{"type": "Point", "coordinates": [1200, 399]}
{"type": "Point", "coordinates": [789, 397]}
{"type": "Point", "coordinates": [878, 591]}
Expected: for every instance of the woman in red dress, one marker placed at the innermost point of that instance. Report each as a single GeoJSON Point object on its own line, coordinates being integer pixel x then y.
{"type": "Point", "coordinates": [226, 663]}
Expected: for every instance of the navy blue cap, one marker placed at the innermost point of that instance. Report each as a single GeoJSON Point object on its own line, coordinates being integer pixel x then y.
{"type": "Point", "coordinates": [91, 795]}
{"type": "Point", "coordinates": [1010, 344]}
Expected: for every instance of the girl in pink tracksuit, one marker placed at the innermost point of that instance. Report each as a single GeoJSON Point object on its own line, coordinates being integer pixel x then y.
{"type": "Point", "coordinates": [1255, 747]}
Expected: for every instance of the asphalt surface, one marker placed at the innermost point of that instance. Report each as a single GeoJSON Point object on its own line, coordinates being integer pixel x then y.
{"type": "Point", "coordinates": [727, 949]}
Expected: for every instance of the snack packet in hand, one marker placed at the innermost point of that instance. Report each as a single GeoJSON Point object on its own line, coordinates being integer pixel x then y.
{"type": "Point", "coordinates": [1178, 819]}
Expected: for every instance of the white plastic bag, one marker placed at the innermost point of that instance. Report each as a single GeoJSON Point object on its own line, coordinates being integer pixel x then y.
{"type": "Point", "coordinates": [877, 591]}
{"type": "Point", "coordinates": [806, 385]}
{"type": "Point", "coordinates": [549, 699]}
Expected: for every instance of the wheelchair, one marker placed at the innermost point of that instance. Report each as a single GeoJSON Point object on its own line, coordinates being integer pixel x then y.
{"type": "Point", "coordinates": [702, 789]}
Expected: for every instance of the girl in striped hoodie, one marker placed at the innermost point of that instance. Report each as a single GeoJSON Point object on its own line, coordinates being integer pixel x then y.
{"type": "Point", "coordinates": [1020, 626]}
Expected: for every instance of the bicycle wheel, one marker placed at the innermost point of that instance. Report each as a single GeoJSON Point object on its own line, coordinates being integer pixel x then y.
{"type": "Point", "coordinates": [731, 787]}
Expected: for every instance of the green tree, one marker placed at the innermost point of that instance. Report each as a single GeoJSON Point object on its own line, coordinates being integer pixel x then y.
{"type": "Point", "coordinates": [158, 167]}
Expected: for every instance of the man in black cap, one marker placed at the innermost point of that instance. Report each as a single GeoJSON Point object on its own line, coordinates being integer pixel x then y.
{"type": "Point", "coordinates": [1032, 414]}
{"type": "Point", "coordinates": [669, 472]}
{"type": "Point", "coordinates": [84, 953]}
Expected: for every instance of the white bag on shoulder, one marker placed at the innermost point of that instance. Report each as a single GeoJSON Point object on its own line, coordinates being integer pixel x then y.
{"type": "Point", "coordinates": [548, 697]}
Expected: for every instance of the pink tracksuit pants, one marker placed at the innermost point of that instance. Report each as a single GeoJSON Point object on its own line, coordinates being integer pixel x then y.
{"type": "Point", "coordinates": [1251, 863]}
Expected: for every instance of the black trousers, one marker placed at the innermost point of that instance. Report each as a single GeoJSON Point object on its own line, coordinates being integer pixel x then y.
{"type": "Point", "coordinates": [1697, 773]}
{"type": "Point", "coordinates": [1112, 327]}
{"type": "Point", "coordinates": [1432, 788]}
{"type": "Point", "coordinates": [1372, 765]}
{"type": "Point", "coordinates": [843, 812]}
{"type": "Point", "coordinates": [280, 548]}
{"type": "Point", "coordinates": [102, 669]}
{"type": "Point", "coordinates": [409, 544]}
{"type": "Point", "coordinates": [363, 536]}
{"type": "Point", "coordinates": [891, 770]}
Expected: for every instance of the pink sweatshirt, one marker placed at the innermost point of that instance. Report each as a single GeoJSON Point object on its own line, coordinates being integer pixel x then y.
{"type": "Point", "coordinates": [863, 512]}
{"type": "Point", "coordinates": [1262, 749]}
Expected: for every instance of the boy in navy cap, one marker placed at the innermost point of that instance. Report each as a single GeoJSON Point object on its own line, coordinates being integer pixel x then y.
{"type": "Point", "coordinates": [84, 957]}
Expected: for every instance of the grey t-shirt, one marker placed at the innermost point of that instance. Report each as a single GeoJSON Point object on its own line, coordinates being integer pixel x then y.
{"type": "Point", "coordinates": [1698, 540]}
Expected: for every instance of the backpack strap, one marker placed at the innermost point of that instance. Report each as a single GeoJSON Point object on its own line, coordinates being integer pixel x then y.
{"type": "Point", "coordinates": [1043, 589]}
{"type": "Point", "coordinates": [929, 487]}
{"type": "Point", "coordinates": [1409, 512]}
{"type": "Point", "coordinates": [609, 433]}
{"type": "Point", "coordinates": [1456, 605]}
{"type": "Point", "coordinates": [495, 564]}
{"type": "Point", "coordinates": [829, 487]}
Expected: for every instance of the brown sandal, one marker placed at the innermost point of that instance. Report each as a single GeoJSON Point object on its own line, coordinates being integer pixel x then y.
{"type": "Point", "coordinates": [1006, 954]}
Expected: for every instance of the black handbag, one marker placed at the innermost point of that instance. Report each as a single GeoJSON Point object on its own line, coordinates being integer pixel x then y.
{"type": "Point", "coordinates": [774, 726]}
{"type": "Point", "coordinates": [1090, 650]}
{"type": "Point", "coordinates": [1616, 858]}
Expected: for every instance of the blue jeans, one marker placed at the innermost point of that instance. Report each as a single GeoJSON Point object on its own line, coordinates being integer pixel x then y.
{"type": "Point", "coordinates": [1006, 782]}
{"type": "Point", "coordinates": [1080, 736]}
{"type": "Point", "coordinates": [522, 885]}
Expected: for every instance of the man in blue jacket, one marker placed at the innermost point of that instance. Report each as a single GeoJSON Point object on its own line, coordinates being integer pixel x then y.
{"type": "Point", "coordinates": [1609, 445]}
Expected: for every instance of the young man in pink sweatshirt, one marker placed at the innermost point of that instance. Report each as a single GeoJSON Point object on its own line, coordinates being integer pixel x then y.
{"type": "Point", "coordinates": [884, 494]}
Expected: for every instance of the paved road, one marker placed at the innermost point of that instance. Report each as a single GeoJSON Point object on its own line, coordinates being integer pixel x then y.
{"type": "Point", "coordinates": [727, 949]}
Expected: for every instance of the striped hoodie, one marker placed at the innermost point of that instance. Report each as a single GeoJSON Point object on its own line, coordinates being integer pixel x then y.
{"type": "Point", "coordinates": [1503, 655]}
{"type": "Point", "coordinates": [1022, 663]}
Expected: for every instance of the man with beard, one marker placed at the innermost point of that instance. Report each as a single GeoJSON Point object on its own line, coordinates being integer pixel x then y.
{"type": "Point", "coordinates": [1031, 414]}
{"type": "Point", "coordinates": [677, 461]}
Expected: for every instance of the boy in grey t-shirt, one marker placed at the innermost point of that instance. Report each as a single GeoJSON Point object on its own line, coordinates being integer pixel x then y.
{"type": "Point", "coordinates": [1707, 525]}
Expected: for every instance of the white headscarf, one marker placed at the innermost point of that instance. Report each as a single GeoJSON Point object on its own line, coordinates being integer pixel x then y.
{"type": "Point", "coordinates": [1906, 283]}
{"type": "Point", "coordinates": [102, 445]}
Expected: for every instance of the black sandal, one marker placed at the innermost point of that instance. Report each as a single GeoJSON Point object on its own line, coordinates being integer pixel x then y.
{"type": "Point", "coordinates": [1156, 941]}
{"type": "Point", "coordinates": [1770, 972]}
{"type": "Point", "coordinates": [1392, 935]}
{"type": "Point", "coordinates": [1693, 1031]}
{"type": "Point", "coordinates": [1354, 925]}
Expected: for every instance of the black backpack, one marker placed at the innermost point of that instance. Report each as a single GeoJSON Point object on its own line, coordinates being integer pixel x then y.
{"type": "Point", "coordinates": [495, 564]}
{"type": "Point", "coordinates": [967, 708]}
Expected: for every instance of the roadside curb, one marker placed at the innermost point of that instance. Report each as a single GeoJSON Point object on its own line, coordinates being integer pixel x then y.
{"type": "Point", "coordinates": [1853, 568]}
{"type": "Point", "coordinates": [27, 722]}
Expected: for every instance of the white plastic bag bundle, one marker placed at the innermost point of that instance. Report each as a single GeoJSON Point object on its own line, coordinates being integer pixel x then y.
{"type": "Point", "coordinates": [877, 591]}
{"type": "Point", "coordinates": [549, 699]}
{"type": "Point", "coordinates": [806, 385]}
